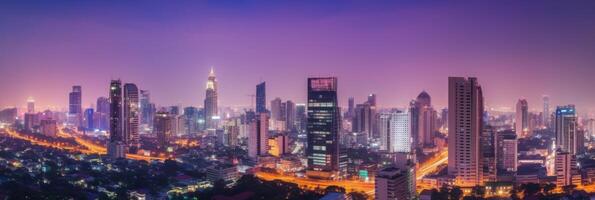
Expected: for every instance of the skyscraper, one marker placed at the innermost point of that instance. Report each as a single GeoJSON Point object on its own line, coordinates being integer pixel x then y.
{"type": "Point", "coordinates": [323, 127]}
{"type": "Point", "coordinates": [426, 122]}
{"type": "Point", "coordinates": [131, 117]}
{"type": "Point", "coordinates": [257, 140]}
{"type": "Point", "coordinates": [290, 115]}
{"type": "Point", "coordinates": [566, 127]}
{"type": "Point", "coordinates": [75, 109]}
{"type": "Point", "coordinates": [364, 119]}
{"type": "Point", "coordinates": [384, 130]}
{"type": "Point", "coordinates": [400, 132]}
{"type": "Point", "coordinates": [278, 114]}
{"type": "Point", "coordinates": [147, 109]}
{"type": "Point", "coordinates": [102, 113]}
{"type": "Point", "coordinates": [30, 105]}
{"type": "Point", "coordinates": [522, 118]}
{"type": "Point", "coordinates": [546, 111]}
{"type": "Point", "coordinates": [567, 172]}
{"type": "Point", "coordinates": [465, 105]}
{"type": "Point", "coordinates": [300, 110]}
{"type": "Point", "coordinates": [210, 104]}
{"type": "Point", "coordinates": [116, 145]}
{"type": "Point", "coordinates": [261, 98]}
{"type": "Point", "coordinates": [350, 107]}
{"type": "Point", "coordinates": [88, 119]}
{"type": "Point", "coordinates": [163, 128]}
{"type": "Point", "coordinates": [488, 150]}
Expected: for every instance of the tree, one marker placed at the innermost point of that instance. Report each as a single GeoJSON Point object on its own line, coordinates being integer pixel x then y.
{"type": "Point", "coordinates": [478, 191]}
{"type": "Point", "coordinates": [358, 196]}
{"type": "Point", "coordinates": [514, 194]}
{"type": "Point", "coordinates": [455, 193]}
{"type": "Point", "coordinates": [548, 188]}
{"type": "Point", "coordinates": [334, 188]}
{"type": "Point", "coordinates": [530, 189]}
{"type": "Point", "coordinates": [568, 189]}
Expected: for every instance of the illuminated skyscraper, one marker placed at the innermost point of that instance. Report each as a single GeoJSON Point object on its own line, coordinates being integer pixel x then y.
{"type": "Point", "coordinates": [147, 108]}
{"type": "Point", "coordinates": [488, 150]}
{"type": "Point", "coordinates": [75, 109]}
{"type": "Point", "coordinates": [400, 137]}
{"type": "Point", "coordinates": [261, 98]}
{"type": "Point", "coordinates": [323, 127]}
{"type": "Point", "coordinates": [163, 129]}
{"type": "Point", "coordinates": [30, 105]}
{"type": "Point", "coordinates": [131, 117]}
{"type": "Point", "coordinates": [384, 130]}
{"type": "Point", "coordinates": [393, 183]}
{"type": "Point", "coordinates": [89, 119]}
{"type": "Point", "coordinates": [465, 106]}
{"type": "Point", "coordinates": [522, 118]}
{"type": "Point", "coordinates": [566, 127]}
{"type": "Point", "coordinates": [364, 119]}
{"type": "Point", "coordinates": [117, 145]}
{"type": "Point", "coordinates": [290, 115]}
{"type": "Point", "coordinates": [211, 101]}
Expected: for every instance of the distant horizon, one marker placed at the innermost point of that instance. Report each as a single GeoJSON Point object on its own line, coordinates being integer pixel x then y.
{"type": "Point", "coordinates": [518, 49]}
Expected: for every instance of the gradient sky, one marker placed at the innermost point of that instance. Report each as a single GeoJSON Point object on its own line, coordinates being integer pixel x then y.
{"type": "Point", "coordinates": [395, 49]}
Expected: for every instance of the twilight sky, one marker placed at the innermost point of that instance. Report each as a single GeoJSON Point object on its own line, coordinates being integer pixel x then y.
{"type": "Point", "coordinates": [393, 48]}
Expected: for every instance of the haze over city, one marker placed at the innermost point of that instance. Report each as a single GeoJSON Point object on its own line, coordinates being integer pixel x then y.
{"type": "Point", "coordinates": [519, 49]}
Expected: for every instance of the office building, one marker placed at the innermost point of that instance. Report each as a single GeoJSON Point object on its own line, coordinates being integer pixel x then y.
{"type": "Point", "coordinates": [211, 102]}
{"type": "Point", "coordinates": [48, 127]}
{"type": "Point", "coordinates": [163, 129]}
{"type": "Point", "coordinates": [102, 113]}
{"type": "Point", "coordinates": [30, 105]}
{"type": "Point", "coordinates": [507, 151]}
{"type": "Point", "coordinates": [392, 183]}
{"type": "Point", "coordinates": [117, 145]}
{"type": "Point", "coordinates": [261, 98]}
{"type": "Point", "coordinates": [89, 119]}
{"type": "Point", "coordinates": [384, 130]}
{"type": "Point", "coordinates": [566, 127]}
{"type": "Point", "coordinates": [75, 109]}
{"type": "Point", "coordinates": [489, 157]}
{"type": "Point", "coordinates": [131, 117]}
{"type": "Point", "coordinates": [400, 137]}
{"type": "Point", "coordinates": [567, 172]}
{"type": "Point", "coordinates": [259, 134]}
{"type": "Point", "coordinates": [546, 111]}
{"type": "Point", "coordinates": [323, 128]}
{"type": "Point", "coordinates": [522, 119]}
{"type": "Point", "coordinates": [31, 121]}
{"type": "Point", "coordinates": [465, 106]}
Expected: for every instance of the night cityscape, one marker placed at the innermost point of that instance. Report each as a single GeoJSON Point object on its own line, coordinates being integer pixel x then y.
{"type": "Point", "coordinates": [329, 100]}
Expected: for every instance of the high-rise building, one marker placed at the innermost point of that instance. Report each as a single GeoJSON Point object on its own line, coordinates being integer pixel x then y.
{"type": "Point", "coordinates": [261, 98]}
{"type": "Point", "coordinates": [75, 109]}
{"type": "Point", "coordinates": [147, 109]}
{"type": "Point", "coordinates": [567, 172]}
{"type": "Point", "coordinates": [290, 115]}
{"type": "Point", "coordinates": [30, 105]}
{"type": "Point", "coordinates": [163, 129]}
{"type": "Point", "coordinates": [522, 119]}
{"type": "Point", "coordinates": [465, 106]}
{"type": "Point", "coordinates": [211, 101]}
{"type": "Point", "coordinates": [89, 119]}
{"type": "Point", "coordinates": [372, 100]}
{"type": "Point", "coordinates": [350, 107]}
{"type": "Point", "coordinates": [566, 127]}
{"type": "Point", "coordinates": [257, 140]}
{"type": "Point", "coordinates": [31, 121]}
{"type": "Point", "coordinates": [546, 111]}
{"type": "Point", "coordinates": [117, 145]}
{"type": "Point", "coordinates": [102, 112]}
{"type": "Point", "coordinates": [323, 128]}
{"type": "Point", "coordinates": [191, 120]}
{"type": "Point", "coordinates": [444, 117]}
{"type": "Point", "coordinates": [488, 150]}
{"type": "Point", "coordinates": [384, 130]}
{"type": "Point", "coordinates": [426, 120]}
{"type": "Point", "coordinates": [364, 119]}
{"type": "Point", "coordinates": [392, 183]}
{"type": "Point", "coordinates": [8, 115]}
{"type": "Point", "coordinates": [507, 151]}
{"type": "Point", "coordinates": [400, 132]}
{"type": "Point", "coordinates": [278, 145]}
{"type": "Point", "coordinates": [131, 117]}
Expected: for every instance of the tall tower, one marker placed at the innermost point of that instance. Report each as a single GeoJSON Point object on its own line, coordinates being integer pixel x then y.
{"type": "Point", "coordinates": [257, 140]}
{"type": "Point", "coordinates": [465, 105]}
{"type": "Point", "coordinates": [116, 145]}
{"type": "Point", "coordinates": [323, 127]}
{"type": "Point", "coordinates": [75, 108]}
{"type": "Point", "coordinates": [131, 117]}
{"type": "Point", "coordinates": [30, 105]}
{"type": "Point", "coordinates": [102, 111]}
{"type": "Point", "coordinates": [261, 98]}
{"type": "Point", "coordinates": [426, 122]}
{"type": "Point", "coordinates": [566, 127]}
{"type": "Point", "coordinates": [400, 132]}
{"type": "Point", "coordinates": [210, 104]}
{"type": "Point", "coordinates": [521, 123]}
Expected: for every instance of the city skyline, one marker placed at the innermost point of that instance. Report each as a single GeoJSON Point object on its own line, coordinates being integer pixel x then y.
{"type": "Point", "coordinates": [394, 59]}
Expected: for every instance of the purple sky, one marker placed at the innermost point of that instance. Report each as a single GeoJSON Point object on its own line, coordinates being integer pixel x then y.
{"type": "Point", "coordinates": [395, 49]}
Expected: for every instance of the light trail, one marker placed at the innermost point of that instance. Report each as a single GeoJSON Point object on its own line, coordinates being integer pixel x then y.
{"type": "Point", "coordinates": [312, 184]}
